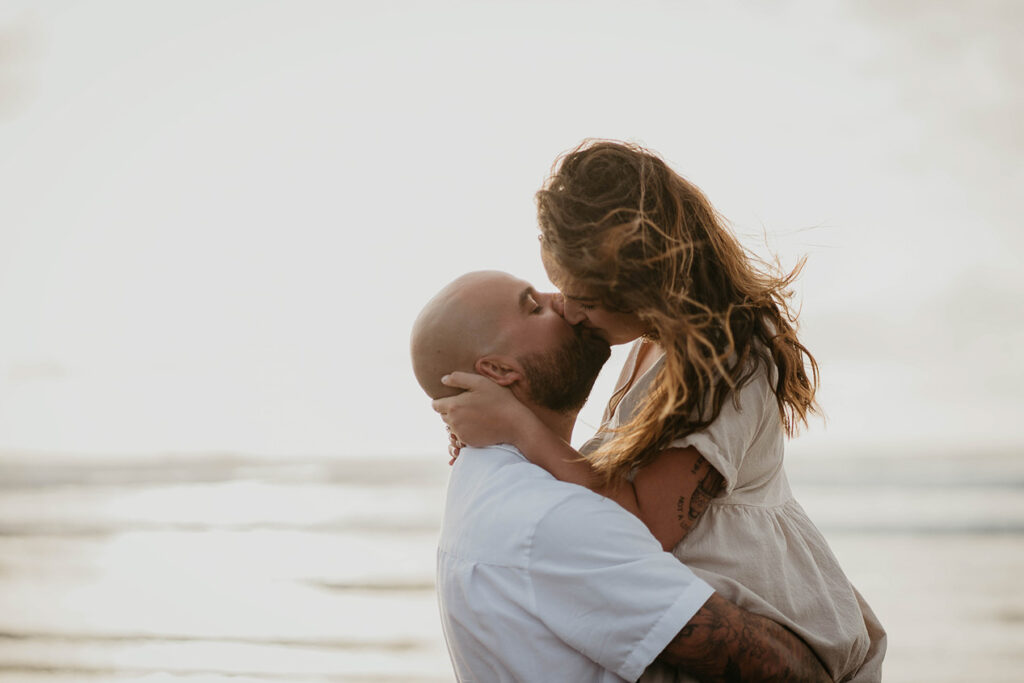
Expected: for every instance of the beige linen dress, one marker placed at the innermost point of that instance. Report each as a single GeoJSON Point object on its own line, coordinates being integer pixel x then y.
{"type": "Point", "coordinates": [754, 544]}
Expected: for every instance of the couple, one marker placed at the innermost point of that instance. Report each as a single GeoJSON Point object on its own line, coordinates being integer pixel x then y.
{"type": "Point", "coordinates": [541, 580]}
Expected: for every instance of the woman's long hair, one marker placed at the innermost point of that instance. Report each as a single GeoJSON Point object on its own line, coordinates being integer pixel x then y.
{"type": "Point", "coordinates": [619, 225]}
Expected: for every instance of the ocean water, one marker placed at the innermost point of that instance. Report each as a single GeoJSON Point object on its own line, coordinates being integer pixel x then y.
{"type": "Point", "coordinates": [243, 569]}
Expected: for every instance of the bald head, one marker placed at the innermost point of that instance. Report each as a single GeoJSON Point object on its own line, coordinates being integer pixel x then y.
{"type": "Point", "coordinates": [462, 323]}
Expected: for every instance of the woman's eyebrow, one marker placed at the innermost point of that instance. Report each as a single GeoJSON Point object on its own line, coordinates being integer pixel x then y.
{"type": "Point", "coordinates": [581, 299]}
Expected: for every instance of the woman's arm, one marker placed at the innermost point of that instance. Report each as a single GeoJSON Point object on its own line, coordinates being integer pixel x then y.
{"type": "Point", "coordinates": [543, 447]}
{"type": "Point", "coordinates": [486, 413]}
{"type": "Point", "coordinates": [668, 495]}
{"type": "Point", "coordinates": [673, 492]}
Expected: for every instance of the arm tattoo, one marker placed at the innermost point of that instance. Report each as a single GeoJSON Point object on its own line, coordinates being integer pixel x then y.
{"type": "Point", "coordinates": [707, 488]}
{"type": "Point", "coordinates": [681, 511]}
{"type": "Point", "coordinates": [724, 643]}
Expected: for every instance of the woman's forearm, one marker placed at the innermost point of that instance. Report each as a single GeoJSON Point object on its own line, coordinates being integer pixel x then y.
{"type": "Point", "coordinates": [544, 448]}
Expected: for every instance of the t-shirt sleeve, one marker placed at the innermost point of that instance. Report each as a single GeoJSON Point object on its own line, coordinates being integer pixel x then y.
{"type": "Point", "coordinates": [725, 442]}
{"type": "Point", "coordinates": [602, 584]}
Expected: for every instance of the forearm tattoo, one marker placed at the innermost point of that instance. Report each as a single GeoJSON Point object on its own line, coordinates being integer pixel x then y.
{"type": "Point", "coordinates": [724, 643]}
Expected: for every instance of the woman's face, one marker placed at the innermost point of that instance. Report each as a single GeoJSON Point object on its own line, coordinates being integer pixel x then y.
{"type": "Point", "coordinates": [615, 327]}
{"type": "Point", "coordinates": [582, 308]}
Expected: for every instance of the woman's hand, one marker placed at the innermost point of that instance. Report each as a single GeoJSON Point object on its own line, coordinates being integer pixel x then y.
{"type": "Point", "coordinates": [454, 446]}
{"type": "Point", "coordinates": [482, 415]}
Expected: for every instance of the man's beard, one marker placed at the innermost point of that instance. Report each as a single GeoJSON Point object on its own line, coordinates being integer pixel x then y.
{"type": "Point", "coordinates": [561, 380]}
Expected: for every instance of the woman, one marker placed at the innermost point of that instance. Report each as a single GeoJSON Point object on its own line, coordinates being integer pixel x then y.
{"type": "Point", "coordinates": [692, 441]}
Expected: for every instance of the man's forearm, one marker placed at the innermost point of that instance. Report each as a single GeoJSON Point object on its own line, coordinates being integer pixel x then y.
{"type": "Point", "coordinates": [725, 643]}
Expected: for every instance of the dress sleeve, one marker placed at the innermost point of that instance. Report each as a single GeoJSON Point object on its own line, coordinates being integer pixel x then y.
{"type": "Point", "coordinates": [604, 586]}
{"type": "Point", "coordinates": [725, 442]}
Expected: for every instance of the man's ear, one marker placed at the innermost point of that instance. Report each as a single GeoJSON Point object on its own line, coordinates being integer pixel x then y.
{"type": "Point", "coordinates": [501, 369]}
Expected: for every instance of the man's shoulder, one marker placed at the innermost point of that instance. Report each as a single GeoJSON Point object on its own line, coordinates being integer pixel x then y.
{"type": "Point", "coordinates": [501, 477]}
{"type": "Point", "coordinates": [496, 501]}
{"type": "Point", "coordinates": [490, 471]}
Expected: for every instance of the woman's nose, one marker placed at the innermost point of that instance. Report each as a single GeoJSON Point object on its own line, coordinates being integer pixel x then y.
{"type": "Point", "coordinates": [558, 304]}
{"type": "Point", "coordinates": [572, 312]}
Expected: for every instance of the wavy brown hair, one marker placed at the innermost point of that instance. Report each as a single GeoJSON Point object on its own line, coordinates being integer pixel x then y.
{"type": "Point", "coordinates": [620, 225]}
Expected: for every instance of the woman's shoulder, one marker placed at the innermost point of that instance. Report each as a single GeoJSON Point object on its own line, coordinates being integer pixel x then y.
{"type": "Point", "coordinates": [746, 429]}
{"type": "Point", "coordinates": [752, 392]}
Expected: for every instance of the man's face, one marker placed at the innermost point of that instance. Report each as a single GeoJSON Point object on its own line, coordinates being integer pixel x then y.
{"type": "Point", "coordinates": [560, 362]}
{"type": "Point", "coordinates": [557, 361]}
{"type": "Point", "coordinates": [561, 379]}
{"type": "Point", "coordinates": [527, 321]}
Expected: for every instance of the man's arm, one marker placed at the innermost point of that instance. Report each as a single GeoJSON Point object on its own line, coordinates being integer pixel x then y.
{"type": "Point", "coordinates": [604, 586]}
{"type": "Point", "coordinates": [725, 643]}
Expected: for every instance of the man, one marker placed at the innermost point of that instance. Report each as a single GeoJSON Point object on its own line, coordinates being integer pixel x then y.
{"type": "Point", "coordinates": [540, 580]}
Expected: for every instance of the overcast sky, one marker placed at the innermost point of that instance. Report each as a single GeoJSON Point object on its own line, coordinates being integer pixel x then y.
{"type": "Point", "coordinates": [219, 219]}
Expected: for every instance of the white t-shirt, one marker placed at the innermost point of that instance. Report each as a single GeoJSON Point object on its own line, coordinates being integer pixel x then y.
{"type": "Point", "coordinates": [540, 580]}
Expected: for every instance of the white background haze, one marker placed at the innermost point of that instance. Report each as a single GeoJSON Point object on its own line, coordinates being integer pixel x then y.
{"type": "Point", "coordinates": [218, 220]}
